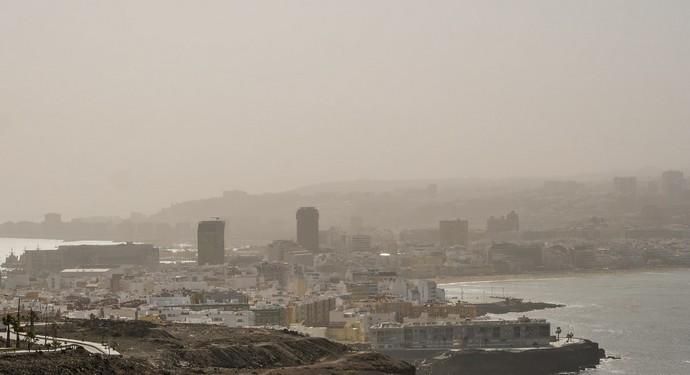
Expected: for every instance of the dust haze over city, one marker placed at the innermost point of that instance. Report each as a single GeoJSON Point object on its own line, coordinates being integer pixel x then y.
{"type": "Point", "coordinates": [328, 176]}
{"type": "Point", "coordinates": [116, 107]}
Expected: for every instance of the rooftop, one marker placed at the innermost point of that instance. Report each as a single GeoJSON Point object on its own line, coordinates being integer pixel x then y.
{"type": "Point", "coordinates": [459, 323]}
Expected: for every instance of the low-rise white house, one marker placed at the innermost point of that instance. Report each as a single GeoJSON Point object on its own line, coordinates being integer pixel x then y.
{"type": "Point", "coordinates": [242, 318]}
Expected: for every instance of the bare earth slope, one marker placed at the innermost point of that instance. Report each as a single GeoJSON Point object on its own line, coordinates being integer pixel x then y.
{"type": "Point", "coordinates": [201, 349]}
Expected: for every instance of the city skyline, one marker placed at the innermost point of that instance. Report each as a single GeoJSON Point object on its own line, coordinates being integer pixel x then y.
{"type": "Point", "coordinates": [367, 185]}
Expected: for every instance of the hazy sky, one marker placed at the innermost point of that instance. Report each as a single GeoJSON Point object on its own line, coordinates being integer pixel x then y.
{"type": "Point", "coordinates": [112, 106]}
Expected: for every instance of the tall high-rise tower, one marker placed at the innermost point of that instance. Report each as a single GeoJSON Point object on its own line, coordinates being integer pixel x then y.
{"type": "Point", "coordinates": [211, 242]}
{"type": "Point", "coordinates": [308, 228]}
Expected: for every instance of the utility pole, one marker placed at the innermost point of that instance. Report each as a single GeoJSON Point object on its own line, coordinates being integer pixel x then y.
{"type": "Point", "coordinates": [31, 334]}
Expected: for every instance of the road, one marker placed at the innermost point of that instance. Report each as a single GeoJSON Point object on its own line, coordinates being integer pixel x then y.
{"type": "Point", "coordinates": [91, 347]}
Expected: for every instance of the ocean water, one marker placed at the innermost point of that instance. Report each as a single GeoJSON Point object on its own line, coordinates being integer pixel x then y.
{"type": "Point", "coordinates": [642, 317]}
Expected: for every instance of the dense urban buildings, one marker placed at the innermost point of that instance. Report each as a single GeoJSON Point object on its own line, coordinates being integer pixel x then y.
{"type": "Point", "coordinates": [360, 242]}
{"type": "Point", "coordinates": [363, 275]}
{"type": "Point", "coordinates": [308, 228]}
{"type": "Point", "coordinates": [211, 242]}
{"type": "Point", "coordinates": [369, 285]}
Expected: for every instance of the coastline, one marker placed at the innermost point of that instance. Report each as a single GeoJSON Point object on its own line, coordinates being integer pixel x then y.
{"type": "Point", "coordinates": [451, 280]}
{"type": "Point", "coordinates": [571, 358]}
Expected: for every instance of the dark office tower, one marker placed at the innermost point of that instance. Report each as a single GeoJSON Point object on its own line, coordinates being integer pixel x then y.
{"type": "Point", "coordinates": [308, 228]}
{"type": "Point", "coordinates": [211, 242]}
{"type": "Point", "coordinates": [454, 232]}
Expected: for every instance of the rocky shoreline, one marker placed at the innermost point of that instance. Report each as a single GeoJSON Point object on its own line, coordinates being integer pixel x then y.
{"type": "Point", "coordinates": [511, 305]}
{"type": "Point", "coordinates": [539, 361]}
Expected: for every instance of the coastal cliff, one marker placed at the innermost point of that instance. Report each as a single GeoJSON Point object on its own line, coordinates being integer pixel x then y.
{"type": "Point", "coordinates": [509, 305]}
{"type": "Point", "coordinates": [543, 361]}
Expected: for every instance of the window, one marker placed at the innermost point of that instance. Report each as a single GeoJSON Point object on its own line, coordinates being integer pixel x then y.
{"type": "Point", "coordinates": [516, 332]}
{"type": "Point", "coordinates": [496, 332]}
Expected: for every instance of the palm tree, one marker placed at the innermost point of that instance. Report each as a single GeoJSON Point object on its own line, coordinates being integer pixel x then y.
{"type": "Point", "coordinates": [31, 335]}
{"type": "Point", "coordinates": [15, 326]}
{"type": "Point", "coordinates": [17, 322]}
{"type": "Point", "coordinates": [8, 321]}
{"type": "Point", "coordinates": [558, 333]}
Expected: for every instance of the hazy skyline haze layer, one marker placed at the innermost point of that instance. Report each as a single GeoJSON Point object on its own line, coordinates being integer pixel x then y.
{"type": "Point", "coordinates": [112, 107]}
